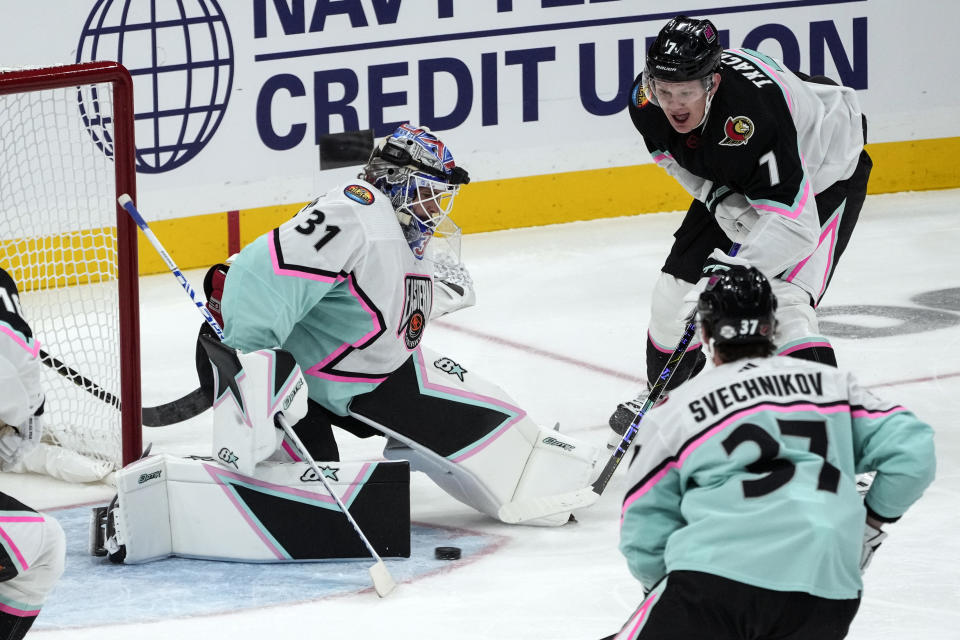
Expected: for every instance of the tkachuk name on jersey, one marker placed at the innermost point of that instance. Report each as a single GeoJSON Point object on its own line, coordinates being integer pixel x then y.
{"type": "Point", "coordinates": [784, 384]}
{"type": "Point", "coordinates": [746, 69]}
{"type": "Point", "coordinates": [416, 309]}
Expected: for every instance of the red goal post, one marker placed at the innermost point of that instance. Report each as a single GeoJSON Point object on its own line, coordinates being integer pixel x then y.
{"type": "Point", "coordinates": [66, 153]}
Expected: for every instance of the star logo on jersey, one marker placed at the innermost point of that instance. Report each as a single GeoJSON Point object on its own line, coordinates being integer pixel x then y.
{"type": "Point", "coordinates": [737, 131]}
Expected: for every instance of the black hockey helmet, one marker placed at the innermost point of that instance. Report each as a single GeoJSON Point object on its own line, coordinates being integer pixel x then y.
{"type": "Point", "coordinates": [685, 49]}
{"type": "Point", "coordinates": [738, 307]}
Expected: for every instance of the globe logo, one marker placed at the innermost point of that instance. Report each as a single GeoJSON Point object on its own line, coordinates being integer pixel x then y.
{"type": "Point", "coordinates": [180, 56]}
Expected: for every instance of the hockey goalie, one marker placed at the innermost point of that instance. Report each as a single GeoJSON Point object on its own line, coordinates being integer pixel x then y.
{"type": "Point", "coordinates": [323, 319]}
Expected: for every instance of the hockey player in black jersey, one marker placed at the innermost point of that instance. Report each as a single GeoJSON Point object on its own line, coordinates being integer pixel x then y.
{"type": "Point", "coordinates": [774, 160]}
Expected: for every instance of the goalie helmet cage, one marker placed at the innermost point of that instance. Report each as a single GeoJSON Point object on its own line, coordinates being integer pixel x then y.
{"type": "Point", "coordinates": [66, 154]}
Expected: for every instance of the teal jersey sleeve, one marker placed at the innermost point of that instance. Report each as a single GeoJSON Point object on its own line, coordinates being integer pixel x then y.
{"type": "Point", "coordinates": [897, 445]}
{"type": "Point", "coordinates": [651, 527]}
{"type": "Point", "coordinates": [261, 307]}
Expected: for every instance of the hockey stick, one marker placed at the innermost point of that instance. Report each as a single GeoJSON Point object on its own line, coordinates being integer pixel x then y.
{"type": "Point", "coordinates": [78, 379]}
{"type": "Point", "coordinates": [532, 508]}
{"type": "Point", "coordinates": [127, 204]}
{"type": "Point", "coordinates": [383, 582]}
{"type": "Point", "coordinates": [190, 405]}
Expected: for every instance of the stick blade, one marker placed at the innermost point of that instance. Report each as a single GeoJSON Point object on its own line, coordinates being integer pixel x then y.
{"type": "Point", "coordinates": [346, 149]}
{"type": "Point", "coordinates": [189, 406]}
{"type": "Point", "coordinates": [383, 582]}
{"type": "Point", "coordinates": [533, 508]}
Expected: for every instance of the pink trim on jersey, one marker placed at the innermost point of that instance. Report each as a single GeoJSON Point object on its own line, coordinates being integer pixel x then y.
{"type": "Point", "coordinates": [660, 157]}
{"type": "Point", "coordinates": [676, 464]}
{"type": "Point", "coordinates": [637, 621]}
{"type": "Point", "coordinates": [866, 413]}
{"type": "Point", "coordinates": [486, 400]}
{"type": "Point", "coordinates": [317, 372]}
{"type": "Point", "coordinates": [783, 211]}
{"type": "Point", "coordinates": [832, 230]}
{"type": "Point", "coordinates": [317, 369]}
{"type": "Point", "coordinates": [280, 271]}
{"type": "Point", "coordinates": [662, 349]}
{"type": "Point", "coordinates": [19, 340]}
{"type": "Point", "coordinates": [20, 613]}
{"type": "Point", "coordinates": [10, 543]}
{"type": "Point", "coordinates": [804, 345]}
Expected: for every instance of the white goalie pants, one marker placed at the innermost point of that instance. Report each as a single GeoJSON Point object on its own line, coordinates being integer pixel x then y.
{"type": "Point", "coordinates": [471, 438]}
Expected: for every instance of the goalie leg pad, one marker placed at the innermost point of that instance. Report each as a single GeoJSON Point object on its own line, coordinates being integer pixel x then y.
{"type": "Point", "coordinates": [195, 508]}
{"type": "Point", "coordinates": [250, 390]}
{"type": "Point", "coordinates": [470, 437]}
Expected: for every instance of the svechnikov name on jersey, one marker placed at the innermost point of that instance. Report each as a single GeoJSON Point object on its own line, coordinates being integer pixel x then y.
{"type": "Point", "coordinates": [719, 400]}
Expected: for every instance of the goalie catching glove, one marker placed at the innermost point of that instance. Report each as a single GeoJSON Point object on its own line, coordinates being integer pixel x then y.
{"type": "Point", "coordinates": [716, 263]}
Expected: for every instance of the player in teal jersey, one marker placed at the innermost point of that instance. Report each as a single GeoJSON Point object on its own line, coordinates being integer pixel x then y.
{"type": "Point", "coordinates": [742, 518]}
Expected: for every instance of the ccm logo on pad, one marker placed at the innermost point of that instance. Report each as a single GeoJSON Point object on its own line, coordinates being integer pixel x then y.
{"type": "Point", "coordinates": [558, 443]}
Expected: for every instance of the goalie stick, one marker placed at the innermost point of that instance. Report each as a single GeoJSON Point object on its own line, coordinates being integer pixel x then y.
{"type": "Point", "coordinates": [383, 582]}
{"type": "Point", "coordinates": [190, 405]}
{"type": "Point", "coordinates": [531, 508]}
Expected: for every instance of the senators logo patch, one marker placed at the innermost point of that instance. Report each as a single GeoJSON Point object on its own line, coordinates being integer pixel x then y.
{"type": "Point", "coordinates": [639, 97]}
{"type": "Point", "coordinates": [359, 193]}
{"type": "Point", "coordinates": [737, 131]}
{"type": "Point", "coordinates": [418, 300]}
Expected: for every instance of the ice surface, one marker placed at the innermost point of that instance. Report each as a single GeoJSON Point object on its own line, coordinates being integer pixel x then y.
{"type": "Point", "coordinates": [560, 324]}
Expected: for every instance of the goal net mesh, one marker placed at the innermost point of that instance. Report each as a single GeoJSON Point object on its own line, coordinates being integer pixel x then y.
{"type": "Point", "coordinates": [58, 240]}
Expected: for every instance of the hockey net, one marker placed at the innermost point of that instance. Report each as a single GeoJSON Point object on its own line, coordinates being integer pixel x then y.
{"type": "Point", "coordinates": [66, 154]}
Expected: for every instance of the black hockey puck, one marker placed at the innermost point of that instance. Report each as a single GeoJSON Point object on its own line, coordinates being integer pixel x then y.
{"type": "Point", "coordinates": [447, 553]}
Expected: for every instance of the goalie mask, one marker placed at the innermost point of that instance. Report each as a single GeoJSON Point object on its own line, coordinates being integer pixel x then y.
{"type": "Point", "coordinates": [417, 172]}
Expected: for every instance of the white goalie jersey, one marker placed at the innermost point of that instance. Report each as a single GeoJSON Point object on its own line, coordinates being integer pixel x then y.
{"type": "Point", "coordinates": [339, 288]}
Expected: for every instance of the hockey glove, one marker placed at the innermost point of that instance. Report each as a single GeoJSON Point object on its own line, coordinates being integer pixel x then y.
{"type": "Point", "coordinates": [16, 442]}
{"type": "Point", "coordinates": [872, 538]}
{"type": "Point", "coordinates": [213, 288]}
{"type": "Point", "coordinates": [716, 263]}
